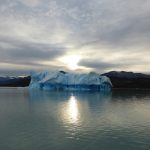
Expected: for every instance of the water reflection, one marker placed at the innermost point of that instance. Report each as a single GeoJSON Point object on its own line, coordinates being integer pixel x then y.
{"type": "Point", "coordinates": [82, 120]}
{"type": "Point", "coordinates": [73, 110]}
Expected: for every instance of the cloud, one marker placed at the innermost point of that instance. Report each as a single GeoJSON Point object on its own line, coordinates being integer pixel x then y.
{"type": "Point", "coordinates": [97, 65]}
{"type": "Point", "coordinates": [28, 52]}
{"type": "Point", "coordinates": [100, 66]}
{"type": "Point", "coordinates": [32, 3]}
{"type": "Point", "coordinates": [116, 32]}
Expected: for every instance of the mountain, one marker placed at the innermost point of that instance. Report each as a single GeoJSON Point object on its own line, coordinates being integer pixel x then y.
{"type": "Point", "coordinates": [129, 79]}
{"type": "Point", "coordinates": [15, 81]}
{"type": "Point", "coordinates": [124, 74]}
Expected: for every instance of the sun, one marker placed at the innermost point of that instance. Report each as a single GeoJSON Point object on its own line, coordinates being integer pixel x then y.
{"type": "Point", "coordinates": [71, 61]}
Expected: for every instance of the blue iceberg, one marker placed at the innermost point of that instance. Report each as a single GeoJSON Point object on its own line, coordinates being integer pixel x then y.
{"type": "Point", "coordinates": [59, 80]}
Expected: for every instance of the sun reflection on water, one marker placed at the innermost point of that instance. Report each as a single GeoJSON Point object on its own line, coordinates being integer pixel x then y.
{"type": "Point", "coordinates": [70, 112]}
{"type": "Point", "coordinates": [73, 111]}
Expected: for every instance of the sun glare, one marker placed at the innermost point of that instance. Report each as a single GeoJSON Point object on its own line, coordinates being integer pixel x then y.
{"type": "Point", "coordinates": [73, 110]}
{"type": "Point", "coordinates": [72, 61]}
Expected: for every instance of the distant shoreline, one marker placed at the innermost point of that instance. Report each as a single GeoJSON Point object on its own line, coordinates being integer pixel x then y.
{"type": "Point", "coordinates": [120, 80]}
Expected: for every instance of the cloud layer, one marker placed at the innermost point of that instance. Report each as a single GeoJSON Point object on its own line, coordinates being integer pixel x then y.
{"type": "Point", "coordinates": [107, 35]}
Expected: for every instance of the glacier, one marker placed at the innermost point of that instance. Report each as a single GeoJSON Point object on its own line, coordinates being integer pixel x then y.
{"type": "Point", "coordinates": [60, 80]}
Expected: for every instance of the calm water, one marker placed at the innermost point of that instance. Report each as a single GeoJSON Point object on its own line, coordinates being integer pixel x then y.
{"type": "Point", "coordinates": [36, 120]}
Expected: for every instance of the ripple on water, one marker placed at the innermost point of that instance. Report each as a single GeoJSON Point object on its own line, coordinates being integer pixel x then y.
{"type": "Point", "coordinates": [83, 121]}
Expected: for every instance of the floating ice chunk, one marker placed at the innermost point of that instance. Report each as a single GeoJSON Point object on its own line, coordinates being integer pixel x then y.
{"type": "Point", "coordinates": [60, 80]}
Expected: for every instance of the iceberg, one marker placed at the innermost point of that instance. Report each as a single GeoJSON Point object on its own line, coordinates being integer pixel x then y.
{"type": "Point", "coordinates": [60, 80]}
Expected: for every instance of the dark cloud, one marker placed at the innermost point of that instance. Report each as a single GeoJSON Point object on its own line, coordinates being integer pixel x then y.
{"type": "Point", "coordinates": [99, 65]}
{"type": "Point", "coordinates": [35, 52]}
{"type": "Point", "coordinates": [28, 52]}
{"type": "Point", "coordinates": [14, 72]}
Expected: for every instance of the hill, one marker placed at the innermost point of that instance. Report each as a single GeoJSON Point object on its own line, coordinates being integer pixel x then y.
{"type": "Point", "coordinates": [125, 79]}
{"type": "Point", "coordinates": [15, 81]}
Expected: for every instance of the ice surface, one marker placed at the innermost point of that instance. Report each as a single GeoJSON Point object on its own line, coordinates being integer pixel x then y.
{"type": "Point", "coordinates": [59, 80]}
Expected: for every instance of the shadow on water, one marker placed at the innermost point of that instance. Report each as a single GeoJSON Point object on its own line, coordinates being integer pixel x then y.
{"type": "Point", "coordinates": [39, 95]}
{"type": "Point", "coordinates": [93, 99]}
{"type": "Point", "coordinates": [123, 94]}
{"type": "Point", "coordinates": [130, 94]}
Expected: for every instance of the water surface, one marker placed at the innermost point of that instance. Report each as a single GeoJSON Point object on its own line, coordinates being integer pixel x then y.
{"type": "Point", "coordinates": [41, 120]}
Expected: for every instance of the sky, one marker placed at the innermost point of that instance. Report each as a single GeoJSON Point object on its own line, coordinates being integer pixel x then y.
{"type": "Point", "coordinates": [74, 35]}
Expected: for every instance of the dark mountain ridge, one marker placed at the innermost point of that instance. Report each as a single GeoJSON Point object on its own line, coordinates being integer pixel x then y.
{"type": "Point", "coordinates": [125, 79]}
{"type": "Point", "coordinates": [15, 81]}
{"type": "Point", "coordinates": [124, 74]}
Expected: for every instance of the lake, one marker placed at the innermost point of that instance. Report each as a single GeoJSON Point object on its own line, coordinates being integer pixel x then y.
{"type": "Point", "coordinates": [42, 120]}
